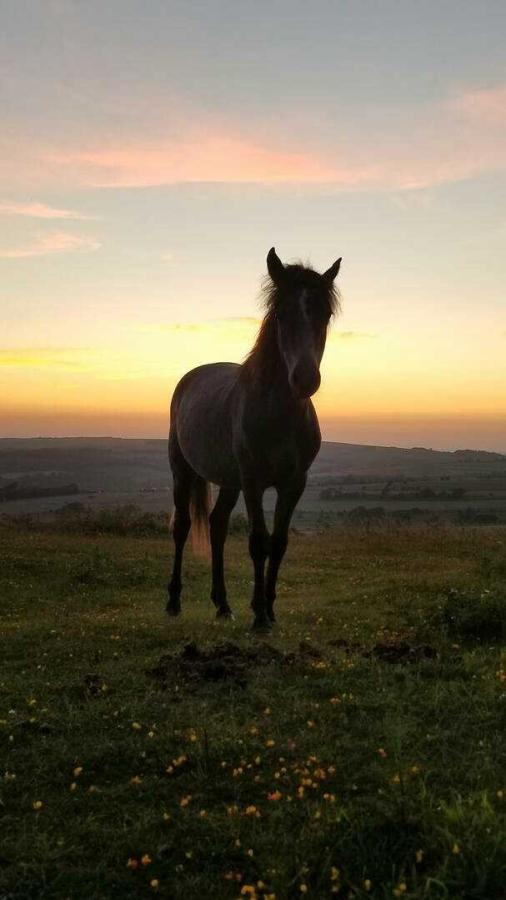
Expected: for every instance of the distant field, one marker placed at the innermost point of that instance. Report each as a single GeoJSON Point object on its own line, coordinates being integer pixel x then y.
{"type": "Point", "coordinates": [417, 485]}
{"type": "Point", "coordinates": [358, 752]}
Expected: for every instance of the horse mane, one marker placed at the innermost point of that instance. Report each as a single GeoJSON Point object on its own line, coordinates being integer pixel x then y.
{"type": "Point", "coordinates": [263, 360]}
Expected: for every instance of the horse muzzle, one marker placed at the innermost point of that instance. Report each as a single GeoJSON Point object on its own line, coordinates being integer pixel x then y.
{"type": "Point", "coordinates": [305, 380]}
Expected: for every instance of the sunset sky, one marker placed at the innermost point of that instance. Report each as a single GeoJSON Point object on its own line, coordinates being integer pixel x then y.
{"type": "Point", "coordinates": [152, 152]}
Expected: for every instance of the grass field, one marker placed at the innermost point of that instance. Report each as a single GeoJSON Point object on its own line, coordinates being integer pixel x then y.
{"type": "Point", "coordinates": [358, 752]}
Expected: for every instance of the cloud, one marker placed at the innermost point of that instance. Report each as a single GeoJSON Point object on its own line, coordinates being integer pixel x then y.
{"type": "Point", "coordinates": [39, 211]}
{"type": "Point", "coordinates": [201, 158]}
{"type": "Point", "coordinates": [59, 242]}
{"type": "Point", "coordinates": [448, 143]}
{"type": "Point", "coordinates": [66, 358]}
{"type": "Point", "coordinates": [455, 139]}
{"type": "Point", "coordinates": [486, 105]}
{"type": "Point", "coordinates": [227, 323]}
{"type": "Point", "coordinates": [352, 335]}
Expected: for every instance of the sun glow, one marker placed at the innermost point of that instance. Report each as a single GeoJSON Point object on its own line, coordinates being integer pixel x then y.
{"type": "Point", "coordinates": [360, 376]}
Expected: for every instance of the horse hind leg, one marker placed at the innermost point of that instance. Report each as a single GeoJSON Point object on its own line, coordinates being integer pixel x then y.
{"type": "Point", "coordinates": [218, 522]}
{"type": "Point", "coordinates": [183, 481]}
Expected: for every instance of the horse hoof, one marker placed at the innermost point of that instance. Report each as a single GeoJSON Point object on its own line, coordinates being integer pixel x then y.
{"type": "Point", "coordinates": [225, 613]}
{"type": "Point", "coordinates": [173, 610]}
{"type": "Point", "coordinates": [262, 626]}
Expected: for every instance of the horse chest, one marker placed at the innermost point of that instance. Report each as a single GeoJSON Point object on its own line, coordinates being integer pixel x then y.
{"type": "Point", "coordinates": [279, 451]}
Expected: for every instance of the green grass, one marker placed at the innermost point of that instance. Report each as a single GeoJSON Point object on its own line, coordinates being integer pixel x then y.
{"type": "Point", "coordinates": [385, 768]}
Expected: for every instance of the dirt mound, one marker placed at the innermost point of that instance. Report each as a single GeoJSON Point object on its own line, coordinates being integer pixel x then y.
{"type": "Point", "coordinates": [401, 652]}
{"type": "Point", "coordinates": [387, 651]}
{"type": "Point", "coordinates": [222, 661]}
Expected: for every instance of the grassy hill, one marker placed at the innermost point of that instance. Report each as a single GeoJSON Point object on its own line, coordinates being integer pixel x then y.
{"type": "Point", "coordinates": [359, 752]}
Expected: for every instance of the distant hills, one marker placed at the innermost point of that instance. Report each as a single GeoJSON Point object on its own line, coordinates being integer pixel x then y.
{"type": "Point", "coordinates": [104, 463]}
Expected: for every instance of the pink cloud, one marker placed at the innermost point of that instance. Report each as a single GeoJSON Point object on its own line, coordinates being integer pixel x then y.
{"type": "Point", "coordinates": [39, 211]}
{"type": "Point", "coordinates": [211, 158]}
{"type": "Point", "coordinates": [451, 141]}
{"type": "Point", "coordinates": [60, 242]}
{"type": "Point", "coordinates": [487, 105]}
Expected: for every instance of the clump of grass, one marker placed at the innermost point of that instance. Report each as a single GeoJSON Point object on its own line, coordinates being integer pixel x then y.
{"type": "Point", "coordinates": [474, 615]}
{"type": "Point", "coordinates": [122, 521]}
{"type": "Point", "coordinates": [238, 524]}
{"type": "Point", "coordinates": [97, 569]}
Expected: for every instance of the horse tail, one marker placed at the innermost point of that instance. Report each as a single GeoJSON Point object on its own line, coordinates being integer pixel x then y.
{"type": "Point", "coordinates": [200, 505]}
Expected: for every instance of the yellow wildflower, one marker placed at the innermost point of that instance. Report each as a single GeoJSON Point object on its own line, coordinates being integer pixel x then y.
{"type": "Point", "coordinates": [37, 804]}
{"type": "Point", "coordinates": [146, 859]}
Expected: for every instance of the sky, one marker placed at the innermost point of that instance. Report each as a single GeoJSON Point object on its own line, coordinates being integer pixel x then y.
{"type": "Point", "coordinates": [152, 152]}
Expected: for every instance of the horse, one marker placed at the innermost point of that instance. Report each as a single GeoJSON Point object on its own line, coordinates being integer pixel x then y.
{"type": "Point", "coordinates": [249, 427]}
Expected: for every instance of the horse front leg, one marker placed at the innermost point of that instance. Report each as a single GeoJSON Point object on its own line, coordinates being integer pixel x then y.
{"type": "Point", "coordinates": [288, 497]}
{"type": "Point", "coordinates": [259, 543]}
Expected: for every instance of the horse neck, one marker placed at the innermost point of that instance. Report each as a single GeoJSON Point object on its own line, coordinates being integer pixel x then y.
{"type": "Point", "coordinates": [264, 369]}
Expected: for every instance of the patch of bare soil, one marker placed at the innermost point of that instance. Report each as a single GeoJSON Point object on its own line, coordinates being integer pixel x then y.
{"type": "Point", "coordinates": [401, 652]}
{"type": "Point", "coordinates": [388, 651]}
{"type": "Point", "coordinates": [224, 661]}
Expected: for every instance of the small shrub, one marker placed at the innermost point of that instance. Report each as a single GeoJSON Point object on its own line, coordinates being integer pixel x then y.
{"type": "Point", "coordinates": [238, 524]}
{"type": "Point", "coordinates": [479, 616]}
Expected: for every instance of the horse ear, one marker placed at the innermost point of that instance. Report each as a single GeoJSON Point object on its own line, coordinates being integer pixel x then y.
{"type": "Point", "coordinates": [331, 273]}
{"type": "Point", "coordinates": [275, 267]}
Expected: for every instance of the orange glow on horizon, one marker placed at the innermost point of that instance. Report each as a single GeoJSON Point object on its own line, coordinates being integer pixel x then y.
{"type": "Point", "coordinates": [89, 390]}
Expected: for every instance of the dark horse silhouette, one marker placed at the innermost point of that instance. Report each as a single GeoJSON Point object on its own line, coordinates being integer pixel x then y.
{"type": "Point", "coordinates": [249, 427]}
